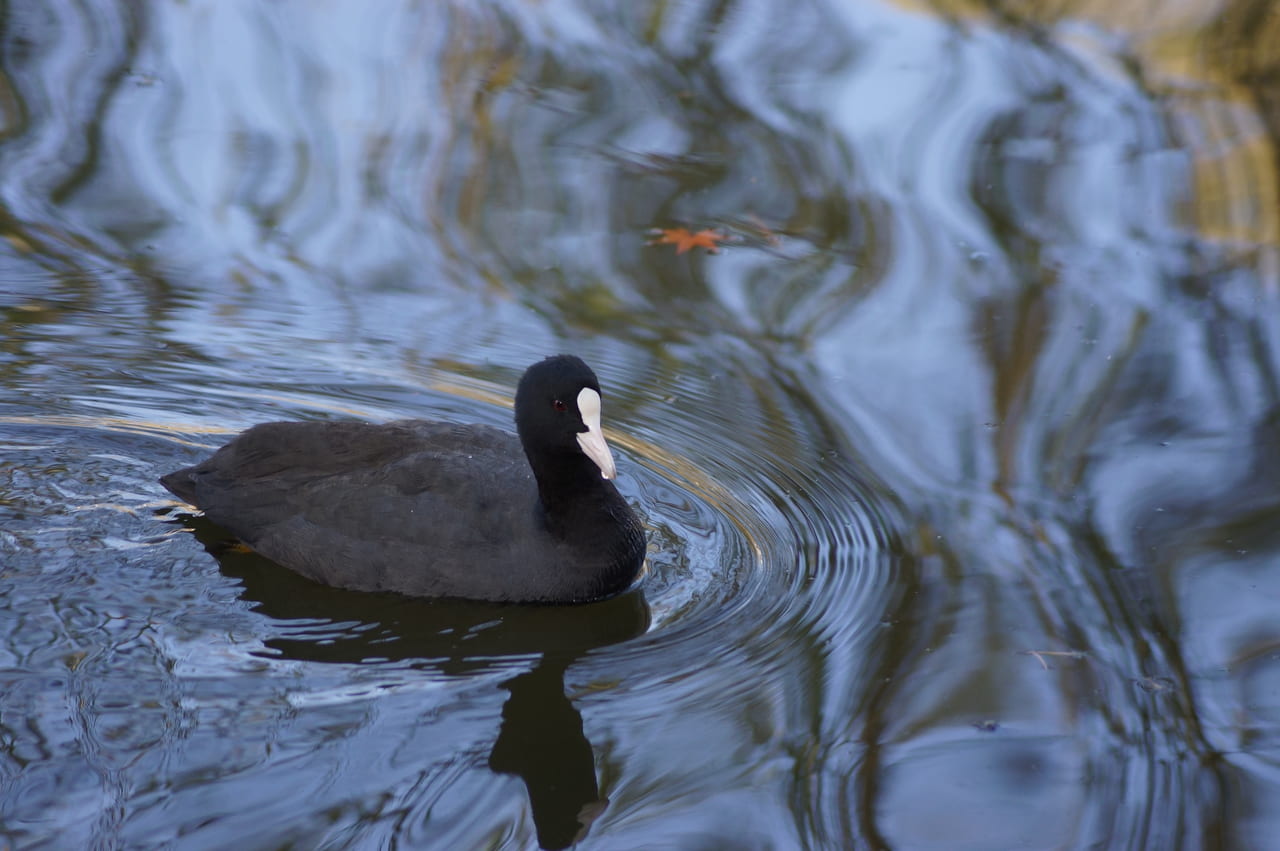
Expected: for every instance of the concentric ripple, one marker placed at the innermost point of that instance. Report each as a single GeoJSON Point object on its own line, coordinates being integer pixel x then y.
{"type": "Point", "coordinates": [767, 538]}
{"type": "Point", "coordinates": [757, 522]}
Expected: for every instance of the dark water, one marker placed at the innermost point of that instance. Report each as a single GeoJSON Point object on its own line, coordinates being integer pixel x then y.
{"type": "Point", "coordinates": [961, 463]}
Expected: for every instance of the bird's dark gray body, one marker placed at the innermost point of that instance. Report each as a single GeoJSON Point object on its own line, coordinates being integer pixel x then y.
{"type": "Point", "coordinates": [422, 508]}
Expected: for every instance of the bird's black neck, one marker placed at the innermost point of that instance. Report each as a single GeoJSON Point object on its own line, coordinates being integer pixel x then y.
{"type": "Point", "coordinates": [575, 498]}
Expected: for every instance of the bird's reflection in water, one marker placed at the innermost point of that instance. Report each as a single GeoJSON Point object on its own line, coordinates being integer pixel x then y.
{"type": "Point", "coordinates": [541, 738]}
{"type": "Point", "coordinates": [542, 742]}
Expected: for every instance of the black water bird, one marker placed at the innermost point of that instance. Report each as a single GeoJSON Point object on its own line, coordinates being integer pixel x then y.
{"type": "Point", "coordinates": [434, 509]}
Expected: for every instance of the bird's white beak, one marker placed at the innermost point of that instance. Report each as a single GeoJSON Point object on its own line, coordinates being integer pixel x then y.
{"type": "Point", "coordinates": [592, 440]}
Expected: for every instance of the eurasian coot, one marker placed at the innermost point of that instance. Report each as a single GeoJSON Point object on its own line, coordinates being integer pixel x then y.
{"type": "Point", "coordinates": [435, 509]}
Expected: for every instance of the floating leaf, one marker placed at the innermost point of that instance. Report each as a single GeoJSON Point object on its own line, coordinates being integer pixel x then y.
{"type": "Point", "coordinates": [683, 240]}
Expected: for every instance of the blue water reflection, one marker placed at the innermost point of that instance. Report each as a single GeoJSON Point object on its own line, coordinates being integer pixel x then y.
{"type": "Point", "coordinates": [958, 460]}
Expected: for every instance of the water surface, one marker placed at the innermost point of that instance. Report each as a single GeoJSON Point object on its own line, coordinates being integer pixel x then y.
{"type": "Point", "coordinates": [958, 461]}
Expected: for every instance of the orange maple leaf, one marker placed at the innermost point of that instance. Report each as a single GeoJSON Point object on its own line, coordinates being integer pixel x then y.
{"type": "Point", "coordinates": [683, 240]}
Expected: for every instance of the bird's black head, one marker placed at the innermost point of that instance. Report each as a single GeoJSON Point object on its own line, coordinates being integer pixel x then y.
{"type": "Point", "coordinates": [558, 412]}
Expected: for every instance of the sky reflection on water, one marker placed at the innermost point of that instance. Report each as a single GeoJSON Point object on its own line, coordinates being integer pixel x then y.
{"type": "Point", "coordinates": [959, 461]}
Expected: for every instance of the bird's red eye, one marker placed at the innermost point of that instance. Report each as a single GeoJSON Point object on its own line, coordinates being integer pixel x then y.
{"type": "Point", "coordinates": [559, 405]}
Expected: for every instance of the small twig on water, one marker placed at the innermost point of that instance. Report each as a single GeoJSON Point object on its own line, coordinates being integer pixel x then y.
{"type": "Point", "coordinates": [1040, 654]}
